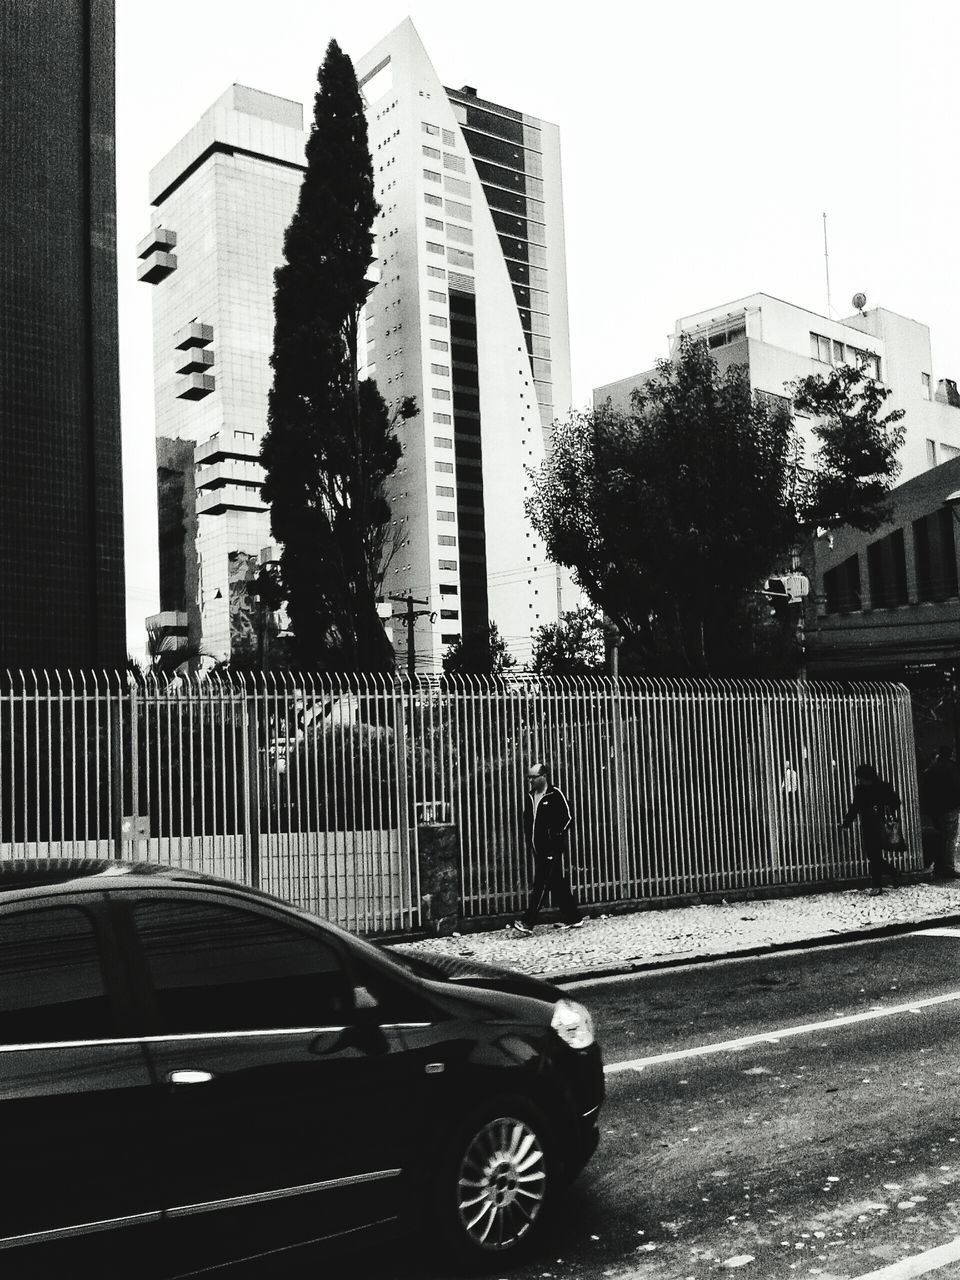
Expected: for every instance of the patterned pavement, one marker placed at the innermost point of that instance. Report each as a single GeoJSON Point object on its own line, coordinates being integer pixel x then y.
{"type": "Point", "coordinates": [661, 936]}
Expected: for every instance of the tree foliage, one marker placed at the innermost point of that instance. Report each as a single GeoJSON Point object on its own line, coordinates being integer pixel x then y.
{"type": "Point", "coordinates": [331, 443]}
{"type": "Point", "coordinates": [671, 515]}
{"type": "Point", "coordinates": [479, 653]}
{"type": "Point", "coordinates": [573, 646]}
{"type": "Point", "coordinates": [855, 462]}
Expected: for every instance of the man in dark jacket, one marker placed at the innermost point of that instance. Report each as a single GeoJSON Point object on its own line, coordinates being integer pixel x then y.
{"type": "Point", "coordinates": [873, 798]}
{"type": "Point", "coordinates": [546, 820]}
{"type": "Point", "coordinates": [940, 801]}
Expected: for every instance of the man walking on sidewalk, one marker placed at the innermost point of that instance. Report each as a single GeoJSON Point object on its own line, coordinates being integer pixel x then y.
{"type": "Point", "coordinates": [546, 820]}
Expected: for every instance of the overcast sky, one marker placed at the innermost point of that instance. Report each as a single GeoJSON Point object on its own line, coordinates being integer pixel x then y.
{"type": "Point", "coordinates": [701, 145]}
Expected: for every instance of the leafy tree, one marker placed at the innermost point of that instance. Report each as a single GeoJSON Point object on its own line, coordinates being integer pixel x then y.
{"type": "Point", "coordinates": [479, 653]}
{"type": "Point", "coordinates": [673, 514]}
{"type": "Point", "coordinates": [573, 646]}
{"type": "Point", "coordinates": [331, 443]}
{"type": "Point", "coordinates": [855, 462]}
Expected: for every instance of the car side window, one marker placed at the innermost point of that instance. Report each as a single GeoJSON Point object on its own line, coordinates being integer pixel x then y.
{"type": "Point", "coordinates": [51, 978]}
{"type": "Point", "coordinates": [218, 968]}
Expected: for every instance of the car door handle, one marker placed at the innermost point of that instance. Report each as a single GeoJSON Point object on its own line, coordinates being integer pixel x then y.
{"type": "Point", "coordinates": [189, 1077]}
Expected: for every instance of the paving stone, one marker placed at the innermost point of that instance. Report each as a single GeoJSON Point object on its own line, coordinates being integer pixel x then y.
{"type": "Point", "coordinates": [646, 938]}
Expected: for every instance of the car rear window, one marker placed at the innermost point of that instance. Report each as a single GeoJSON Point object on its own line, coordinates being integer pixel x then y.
{"type": "Point", "coordinates": [51, 979]}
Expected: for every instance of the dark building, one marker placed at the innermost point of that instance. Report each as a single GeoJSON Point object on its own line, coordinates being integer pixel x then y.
{"type": "Point", "coordinates": [885, 605]}
{"type": "Point", "coordinates": [61, 515]}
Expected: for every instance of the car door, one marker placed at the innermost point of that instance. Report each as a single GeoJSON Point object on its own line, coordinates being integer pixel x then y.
{"type": "Point", "coordinates": [284, 1108]}
{"type": "Point", "coordinates": [75, 1093]}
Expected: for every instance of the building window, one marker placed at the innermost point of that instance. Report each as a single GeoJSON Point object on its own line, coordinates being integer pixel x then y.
{"type": "Point", "coordinates": [437, 273]}
{"type": "Point", "coordinates": [442, 419]}
{"type": "Point", "coordinates": [447, 516]}
{"type": "Point", "coordinates": [446, 540]}
{"type": "Point", "coordinates": [925, 386]}
{"type": "Point", "coordinates": [461, 259]}
{"type": "Point", "coordinates": [439, 344]}
{"type": "Point", "coordinates": [463, 234]}
{"type": "Point", "coordinates": [449, 138]}
{"type": "Point", "coordinates": [445, 467]}
{"type": "Point", "coordinates": [431, 176]}
{"type": "Point", "coordinates": [444, 491]}
{"type": "Point", "coordinates": [456, 185]}
{"type": "Point", "coordinates": [432, 153]}
{"type": "Point", "coordinates": [449, 639]}
{"type": "Point", "coordinates": [440, 393]}
{"type": "Point", "coordinates": [434, 224]}
{"type": "Point", "coordinates": [432, 129]}
{"type": "Point", "coordinates": [441, 370]}
{"type": "Point", "coordinates": [841, 586]}
{"type": "Point", "coordinates": [436, 295]}
{"type": "Point", "coordinates": [457, 210]}
{"type": "Point", "coordinates": [887, 569]}
{"type": "Point", "coordinates": [430, 198]}
{"type": "Point", "coordinates": [439, 321]}
{"type": "Point", "coordinates": [433, 247]}
{"type": "Point", "coordinates": [442, 442]}
{"type": "Point", "coordinates": [820, 348]}
{"type": "Point", "coordinates": [448, 566]}
{"type": "Point", "coordinates": [931, 453]}
{"type": "Point", "coordinates": [935, 555]}
{"type": "Point", "coordinates": [456, 163]}
{"type": "Point", "coordinates": [450, 615]}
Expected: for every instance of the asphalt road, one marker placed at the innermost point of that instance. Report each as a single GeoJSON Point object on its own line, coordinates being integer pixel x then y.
{"type": "Point", "coordinates": [830, 1152]}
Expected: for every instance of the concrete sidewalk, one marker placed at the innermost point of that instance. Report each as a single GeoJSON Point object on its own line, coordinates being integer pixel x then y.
{"type": "Point", "coordinates": [656, 938]}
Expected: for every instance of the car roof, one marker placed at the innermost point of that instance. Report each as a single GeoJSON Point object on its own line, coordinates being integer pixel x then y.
{"type": "Point", "coordinates": [32, 874]}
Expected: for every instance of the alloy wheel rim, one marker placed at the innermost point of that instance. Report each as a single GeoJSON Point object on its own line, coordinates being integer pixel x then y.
{"type": "Point", "coordinates": [502, 1183]}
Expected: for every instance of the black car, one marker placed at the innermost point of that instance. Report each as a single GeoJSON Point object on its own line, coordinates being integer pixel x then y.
{"type": "Point", "coordinates": [192, 1072]}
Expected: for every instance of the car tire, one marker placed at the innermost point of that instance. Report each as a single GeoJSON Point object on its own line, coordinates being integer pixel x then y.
{"type": "Point", "coordinates": [496, 1182]}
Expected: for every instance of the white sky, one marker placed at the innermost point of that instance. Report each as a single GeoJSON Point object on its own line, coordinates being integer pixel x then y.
{"type": "Point", "coordinates": [701, 144]}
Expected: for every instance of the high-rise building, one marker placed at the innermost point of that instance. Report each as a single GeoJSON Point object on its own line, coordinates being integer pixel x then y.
{"type": "Point", "coordinates": [223, 198]}
{"type": "Point", "coordinates": [61, 498]}
{"type": "Point", "coordinates": [469, 315]}
{"type": "Point", "coordinates": [779, 342]}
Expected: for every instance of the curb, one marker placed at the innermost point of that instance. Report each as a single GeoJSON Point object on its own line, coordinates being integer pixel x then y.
{"type": "Point", "coordinates": [822, 940]}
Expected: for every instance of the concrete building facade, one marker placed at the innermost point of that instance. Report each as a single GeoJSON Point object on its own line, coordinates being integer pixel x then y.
{"type": "Point", "coordinates": [779, 343]}
{"type": "Point", "coordinates": [469, 315]}
{"type": "Point", "coordinates": [61, 495]}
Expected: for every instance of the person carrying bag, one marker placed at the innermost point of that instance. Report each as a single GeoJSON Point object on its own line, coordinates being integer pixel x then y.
{"type": "Point", "coordinates": [878, 807]}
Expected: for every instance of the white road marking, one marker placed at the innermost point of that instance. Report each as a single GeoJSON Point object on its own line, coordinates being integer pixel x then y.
{"type": "Point", "coordinates": [919, 1265]}
{"type": "Point", "coordinates": [781, 1033]}
{"type": "Point", "coordinates": [936, 933]}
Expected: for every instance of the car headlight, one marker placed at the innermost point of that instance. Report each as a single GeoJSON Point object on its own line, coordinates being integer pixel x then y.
{"type": "Point", "coordinates": [573, 1024]}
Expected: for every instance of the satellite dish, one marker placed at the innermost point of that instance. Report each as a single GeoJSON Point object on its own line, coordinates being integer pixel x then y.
{"type": "Point", "coordinates": [859, 301]}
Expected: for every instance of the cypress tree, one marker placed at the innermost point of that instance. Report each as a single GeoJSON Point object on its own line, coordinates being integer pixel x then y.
{"type": "Point", "coordinates": [331, 442]}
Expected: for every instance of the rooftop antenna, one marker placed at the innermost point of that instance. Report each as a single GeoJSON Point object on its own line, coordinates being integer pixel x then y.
{"type": "Point", "coordinates": [826, 263]}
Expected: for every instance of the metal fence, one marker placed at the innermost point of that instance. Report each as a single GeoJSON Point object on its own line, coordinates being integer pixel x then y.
{"type": "Point", "coordinates": [314, 788]}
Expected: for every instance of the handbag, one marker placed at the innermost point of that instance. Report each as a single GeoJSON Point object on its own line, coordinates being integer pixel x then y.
{"type": "Point", "coordinates": [891, 833]}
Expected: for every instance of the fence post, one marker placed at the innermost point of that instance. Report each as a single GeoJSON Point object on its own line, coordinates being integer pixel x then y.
{"type": "Point", "coordinates": [251, 788]}
{"type": "Point", "coordinates": [618, 782]}
{"type": "Point", "coordinates": [115, 720]}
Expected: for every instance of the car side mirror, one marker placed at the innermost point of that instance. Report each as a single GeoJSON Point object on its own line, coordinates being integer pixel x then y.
{"type": "Point", "coordinates": [364, 999]}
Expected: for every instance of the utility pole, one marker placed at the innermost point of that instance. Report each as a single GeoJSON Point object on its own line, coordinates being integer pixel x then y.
{"type": "Point", "coordinates": [410, 617]}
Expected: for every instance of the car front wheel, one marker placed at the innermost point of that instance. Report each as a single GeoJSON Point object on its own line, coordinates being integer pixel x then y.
{"type": "Point", "coordinates": [499, 1178]}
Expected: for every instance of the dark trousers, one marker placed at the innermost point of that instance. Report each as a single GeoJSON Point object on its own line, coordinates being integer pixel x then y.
{"type": "Point", "coordinates": [551, 878]}
{"type": "Point", "coordinates": [879, 866]}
